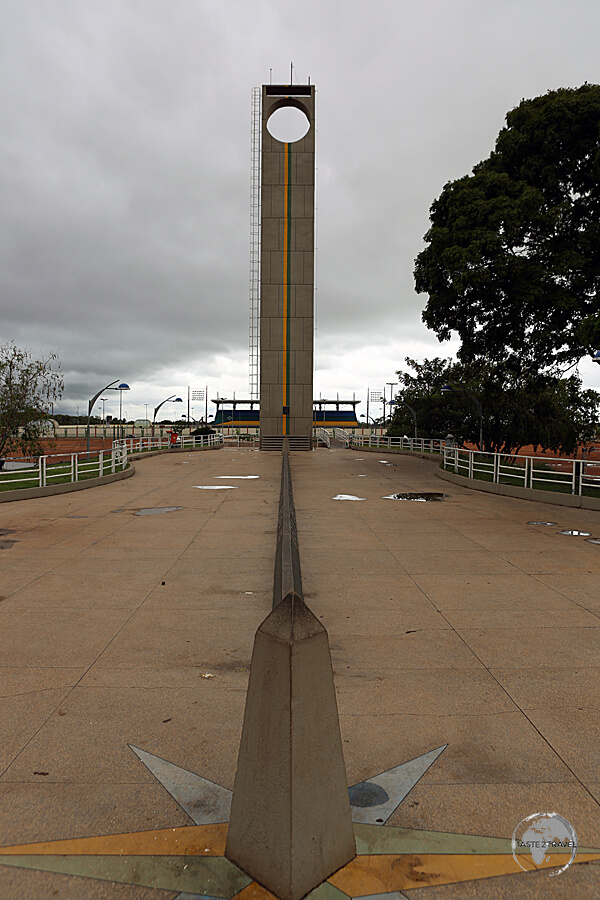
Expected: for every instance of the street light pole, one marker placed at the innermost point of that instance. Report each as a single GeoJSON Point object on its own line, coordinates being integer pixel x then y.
{"type": "Point", "coordinates": [450, 389]}
{"type": "Point", "coordinates": [90, 407]}
{"type": "Point", "coordinates": [120, 388]}
{"type": "Point", "coordinates": [174, 398]}
{"type": "Point", "coordinates": [480, 412]}
{"type": "Point", "coordinates": [414, 415]}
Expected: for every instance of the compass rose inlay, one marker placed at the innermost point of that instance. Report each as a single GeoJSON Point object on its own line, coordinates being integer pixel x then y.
{"type": "Point", "coordinates": [190, 859]}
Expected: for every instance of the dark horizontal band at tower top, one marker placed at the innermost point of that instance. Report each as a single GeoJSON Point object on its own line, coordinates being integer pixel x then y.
{"type": "Point", "coordinates": [288, 90]}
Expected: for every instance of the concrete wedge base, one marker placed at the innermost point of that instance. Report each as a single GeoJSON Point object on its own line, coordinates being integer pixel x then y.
{"type": "Point", "coordinates": [291, 825]}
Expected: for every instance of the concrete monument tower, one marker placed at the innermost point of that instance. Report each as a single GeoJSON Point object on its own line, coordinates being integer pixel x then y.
{"type": "Point", "coordinates": [287, 275]}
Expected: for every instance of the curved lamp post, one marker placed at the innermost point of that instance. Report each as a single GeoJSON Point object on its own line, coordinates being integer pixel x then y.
{"type": "Point", "coordinates": [120, 388]}
{"type": "Point", "coordinates": [450, 389]}
{"type": "Point", "coordinates": [90, 407]}
{"type": "Point", "coordinates": [174, 398]}
{"type": "Point", "coordinates": [412, 412]}
{"type": "Point", "coordinates": [370, 420]}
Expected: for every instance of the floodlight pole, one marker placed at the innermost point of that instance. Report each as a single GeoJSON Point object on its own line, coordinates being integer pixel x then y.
{"type": "Point", "coordinates": [391, 385]}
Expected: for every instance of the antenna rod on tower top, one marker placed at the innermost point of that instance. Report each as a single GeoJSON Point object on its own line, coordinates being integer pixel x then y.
{"type": "Point", "coordinates": [291, 73]}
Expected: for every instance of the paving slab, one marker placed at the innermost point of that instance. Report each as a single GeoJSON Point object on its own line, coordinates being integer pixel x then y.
{"type": "Point", "coordinates": [548, 687]}
{"type": "Point", "coordinates": [450, 623]}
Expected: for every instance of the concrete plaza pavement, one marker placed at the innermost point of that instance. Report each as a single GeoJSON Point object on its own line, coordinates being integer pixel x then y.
{"type": "Point", "coordinates": [449, 623]}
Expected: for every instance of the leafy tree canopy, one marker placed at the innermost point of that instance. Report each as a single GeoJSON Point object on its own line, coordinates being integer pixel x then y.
{"type": "Point", "coordinates": [550, 412]}
{"type": "Point", "coordinates": [513, 257]}
{"type": "Point", "coordinates": [28, 387]}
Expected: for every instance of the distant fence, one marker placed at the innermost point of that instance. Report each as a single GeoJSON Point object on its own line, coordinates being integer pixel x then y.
{"type": "Point", "coordinates": [413, 445]}
{"type": "Point", "coordinates": [144, 444]}
{"type": "Point", "coordinates": [114, 432]}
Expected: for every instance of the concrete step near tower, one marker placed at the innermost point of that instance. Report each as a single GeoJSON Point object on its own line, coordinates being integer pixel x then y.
{"type": "Point", "coordinates": [275, 442]}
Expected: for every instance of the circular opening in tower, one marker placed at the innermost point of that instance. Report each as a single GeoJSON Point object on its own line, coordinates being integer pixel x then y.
{"type": "Point", "coordinates": [288, 124]}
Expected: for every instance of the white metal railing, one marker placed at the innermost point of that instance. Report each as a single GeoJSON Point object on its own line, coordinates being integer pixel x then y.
{"type": "Point", "coordinates": [62, 468]}
{"type": "Point", "coordinates": [240, 440]}
{"type": "Point", "coordinates": [160, 442]}
{"type": "Point", "coordinates": [321, 434]}
{"type": "Point", "coordinates": [567, 476]}
{"type": "Point", "coordinates": [343, 436]}
{"type": "Point", "coordinates": [574, 476]}
{"type": "Point", "coordinates": [112, 432]}
{"type": "Point", "coordinates": [414, 445]}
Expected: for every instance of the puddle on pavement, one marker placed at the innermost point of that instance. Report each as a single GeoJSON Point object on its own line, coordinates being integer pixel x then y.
{"type": "Point", "coordinates": [6, 545]}
{"type": "Point", "coordinates": [592, 541]}
{"type": "Point", "coordinates": [246, 477]}
{"type": "Point", "coordinates": [156, 511]}
{"type": "Point", "coordinates": [573, 532]}
{"type": "Point", "coordinates": [422, 497]}
{"type": "Point", "coordinates": [7, 530]}
{"type": "Point", "coordinates": [542, 523]}
{"type": "Point", "coordinates": [216, 487]}
{"type": "Point", "coordinates": [347, 497]}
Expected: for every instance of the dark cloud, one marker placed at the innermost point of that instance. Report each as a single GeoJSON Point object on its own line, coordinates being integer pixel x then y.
{"type": "Point", "coordinates": [125, 161]}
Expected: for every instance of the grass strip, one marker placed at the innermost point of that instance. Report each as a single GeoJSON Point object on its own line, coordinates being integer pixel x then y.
{"type": "Point", "coordinates": [58, 473]}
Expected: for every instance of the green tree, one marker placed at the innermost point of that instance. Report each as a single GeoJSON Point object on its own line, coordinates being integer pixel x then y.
{"type": "Point", "coordinates": [438, 414]}
{"type": "Point", "coordinates": [544, 410]}
{"type": "Point", "coordinates": [421, 390]}
{"type": "Point", "coordinates": [512, 263]}
{"type": "Point", "coordinates": [28, 388]}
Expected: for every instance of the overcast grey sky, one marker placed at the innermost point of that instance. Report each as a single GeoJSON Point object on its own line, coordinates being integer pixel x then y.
{"type": "Point", "coordinates": [125, 171]}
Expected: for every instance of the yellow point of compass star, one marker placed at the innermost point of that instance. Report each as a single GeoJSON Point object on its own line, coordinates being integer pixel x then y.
{"type": "Point", "coordinates": [370, 872]}
{"type": "Point", "coordinates": [254, 891]}
{"type": "Point", "coordinates": [381, 874]}
{"type": "Point", "coordinates": [187, 840]}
